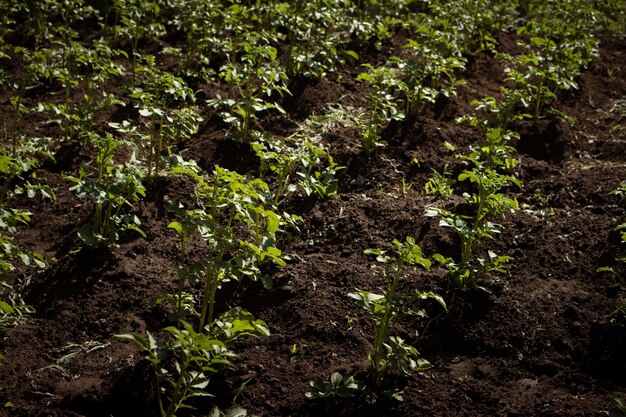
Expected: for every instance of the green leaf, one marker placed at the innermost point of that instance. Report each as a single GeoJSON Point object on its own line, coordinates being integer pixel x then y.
{"type": "Point", "coordinates": [376, 252]}
{"type": "Point", "coordinates": [366, 296]}
{"type": "Point", "coordinates": [25, 258]}
{"type": "Point", "coordinates": [431, 212]}
{"type": "Point", "coordinates": [236, 411]}
{"type": "Point", "coordinates": [273, 222]}
{"type": "Point", "coordinates": [176, 226]}
{"type": "Point", "coordinates": [6, 308]}
{"type": "Point", "coordinates": [351, 54]}
{"type": "Point", "coordinates": [336, 379]}
{"type": "Point", "coordinates": [136, 229]}
{"type": "Point", "coordinates": [267, 281]}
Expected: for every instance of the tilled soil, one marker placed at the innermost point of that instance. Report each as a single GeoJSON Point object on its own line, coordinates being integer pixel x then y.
{"type": "Point", "coordinates": [542, 343]}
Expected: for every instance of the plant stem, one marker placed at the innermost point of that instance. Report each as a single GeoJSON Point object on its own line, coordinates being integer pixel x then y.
{"type": "Point", "coordinates": [210, 289]}
{"type": "Point", "coordinates": [177, 396]}
{"type": "Point", "coordinates": [183, 253]}
{"type": "Point", "coordinates": [158, 390]}
{"type": "Point", "coordinates": [380, 331]}
{"type": "Point", "coordinates": [16, 119]}
{"type": "Point", "coordinates": [282, 179]}
{"type": "Point", "coordinates": [538, 99]}
{"type": "Point", "coordinates": [159, 148]}
{"type": "Point", "coordinates": [134, 41]}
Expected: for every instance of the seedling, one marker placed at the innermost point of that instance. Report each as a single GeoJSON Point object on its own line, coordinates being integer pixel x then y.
{"type": "Point", "coordinates": [475, 22]}
{"type": "Point", "coordinates": [619, 408]}
{"type": "Point", "coordinates": [239, 227]}
{"type": "Point", "coordinates": [187, 360]}
{"type": "Point", "coordinates": [113, 188]}
{"type": "Point", "coordinates": [252, 81]}
{"type": "Point", "coordinates": [166, 126]}
{"type": "Point", "coordinates": [392, 352]}
{"type": "Point", "coordinates": [136, 19]}
{"type": "Point", "coordinates": [440, 184]}
{"type": "Point", "coordinates": [621, 229]}
{"type": "Point", "coordinates": [549, 65]}
{"type": "Point", "coordinates": [478, 229]}
{"type": "Point", "coordinates": [13, 309]}
{"type": "Point", "coordinates": [202, 24]}
{"type": "Point", "coordinates": [384, 86]}
{"type": "Point", "coordinates": [430, 70]}
{"type": "Point", "coordinates": [340, 385]}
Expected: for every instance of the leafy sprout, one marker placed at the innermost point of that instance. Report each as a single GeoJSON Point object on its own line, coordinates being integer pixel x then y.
{"type": "Point", "coordinates": [392, 352]}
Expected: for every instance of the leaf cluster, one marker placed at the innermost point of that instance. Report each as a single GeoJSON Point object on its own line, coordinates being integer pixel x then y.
{"type": "Point", "coordinates": [186, 360]}
{"type": "Point", "coordinates": [112, 189]}
{"type": "Point", "coordinates": [391, 352]}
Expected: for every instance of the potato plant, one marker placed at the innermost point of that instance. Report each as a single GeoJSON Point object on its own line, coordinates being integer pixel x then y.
{"type": "Point", "coordinates": [164, 120]}
{"type": "Point", "coordinates": [315, 47]}
{"type": "Point", "coordinates": [384, 86]}
{"type": "Point", "coordinates": [16, 168]}
{"type": "Point", "coordinates": [311, 164]}
{"type": "Point", "coordinates": [620, 309]}
{"type": "Point", "coordinates": [475, 22]}
{"type": "Point", "coordinates": [98, 66]}
{"type": "Point", "coordinates": [237, 222]}
{"type": "Point", "coordinates": [17, 178]}
{"type": "Point", "coordinates": [33, 16]}
{"type": "Point", "coordinates": [70, 63]}
{"type": "Point", "coordinates": [392, 352]}
{"type": "Point", "coordinates": [430, 69]}
{"type": "Point", "coordinates": [476, 230]}
{"type": "Point", "coordinates": [205, 44]}
{"type": "Point", "coordinates": [134, 20]}
{"type": "Point", "coordinates": [253, 80]}
{"type": "Point", "coordinates": [551, 60]}
{"type": "Point", "coordinates": [338, 385]}
{"type": "Point", "coordinates": [186, 360]}
{"type": "Point", "coordinates": [13, 309]}
{"type": "Point", "coordinates": [113, 188]}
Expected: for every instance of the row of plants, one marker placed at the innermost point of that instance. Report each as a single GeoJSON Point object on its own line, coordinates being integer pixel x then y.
{"type": "Point", "coordinates": [618, 315]}
{"type": "Point", "coordinates": [555, 48]}
{"type": "Point", "coordinates": [252, 51]}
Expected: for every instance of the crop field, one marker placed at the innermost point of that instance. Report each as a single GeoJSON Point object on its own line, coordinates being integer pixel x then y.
{"type": "Point", "coordinates": [363, 208]}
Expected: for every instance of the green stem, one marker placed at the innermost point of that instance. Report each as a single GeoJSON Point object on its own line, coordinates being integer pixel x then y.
{"type": "Point", "coordinates": [247, 107]}
{"type": "Point", "coordinates": [158, 390]}
{"type": "Point", "coordinates": [68, 110]}
{"type": "Point", "coordinates": [107, 224]}
{"type": "Point", "coordinates": [151, 151]}
{"type": "Point", "coordinates": [159, 148]}
{"type": "Point", "coordinates": [102, 157]}
{"type": "Point", "coordinates": [179, 301]}
{"type": "Point", "coordinates": [372, 133]}
{"type": "Point", "coordinates": [16, 119]}
{"type": "Point", "coordinates": [281, 183]}
{"type": "Point", "coordinates": [380, 332]}
{"type": "Point", "coordinates": [538, 99]}
{"type": "Point", "coordinates": [177, 395]}
{"type": "Point", "coordinates": [134, 42]}
{"type": "Point", "coordinates": [208, 299]}
{"type": "Point", "coordinates": [469, 241]}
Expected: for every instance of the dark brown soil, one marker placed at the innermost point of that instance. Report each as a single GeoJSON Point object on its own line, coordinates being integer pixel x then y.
{"type": "Point", "coordinates": [542, 344]}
